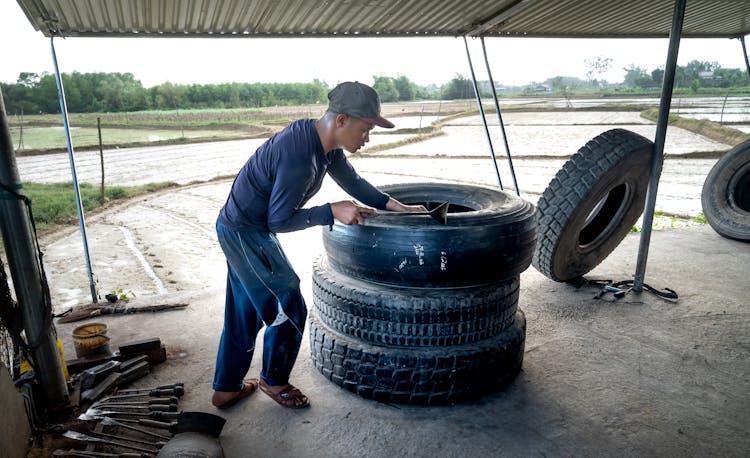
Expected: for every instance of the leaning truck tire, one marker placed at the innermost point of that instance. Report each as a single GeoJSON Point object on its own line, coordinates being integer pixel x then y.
{"type": "Point", "coordinates": [489, 236]}
{"type": "Point", "coordinates": [415, 317]}
{"type": "Point", "coordinates": [726, 194]}
{"type": "Point", "coordinates": [591, 204]}
{"type": "Point", "coordinates": [418, 375]}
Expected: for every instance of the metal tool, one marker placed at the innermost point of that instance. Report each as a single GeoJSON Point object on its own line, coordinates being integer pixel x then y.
{"type": "Point", "coordinates": [175, 391]}
{"type": "Point", "coordinates": [162, 401]}
{"type": "Point", "coordinates": [75, 435]}
{"type": "Point", "coordinates": [157, 444]}
{"type": "Point", "coordinates": [151, 408]}
{"type": "Point", "coordinates": [439, 213]}
{"type": "Point", "coordinates": [107, 421]}
{"type": "Point", "coordinates": [92, 414]}
{"type": "Point", "coordinates": [160, 387]}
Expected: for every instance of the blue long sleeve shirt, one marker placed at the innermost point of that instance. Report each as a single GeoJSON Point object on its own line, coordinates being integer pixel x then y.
{"type": "Point", "coordinates": [271, 189]}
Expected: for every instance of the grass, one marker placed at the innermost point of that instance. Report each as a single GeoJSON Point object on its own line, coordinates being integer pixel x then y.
{"type": "Point", "coordinates": [54, 204]}
{"type": "Point", "coordinates": [407, 141]}
{"type": "Point", "coordinates": [663, 220]}
{"type": "Point", "coordinates": [37, 139]}
{"type": "Point", "coordinates": [43, 133]}
{"type": "Point", "coordinates": [704, 127]}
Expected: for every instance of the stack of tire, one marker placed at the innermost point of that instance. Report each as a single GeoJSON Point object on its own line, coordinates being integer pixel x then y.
{"type": "Point", "coordinates": [408, 310]}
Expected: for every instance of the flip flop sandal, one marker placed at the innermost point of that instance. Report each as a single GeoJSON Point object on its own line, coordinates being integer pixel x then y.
{"type": "Point", "coordinates": [249, 386]}
{"type": "Point", "coordinates": [290, 397]}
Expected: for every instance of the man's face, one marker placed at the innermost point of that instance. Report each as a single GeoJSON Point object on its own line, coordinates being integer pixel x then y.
{"type": "Point", "coordinates": [353, 133]}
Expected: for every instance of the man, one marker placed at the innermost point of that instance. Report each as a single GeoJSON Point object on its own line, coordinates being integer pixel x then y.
{"type": "Point", "coordinates": [267, 197]}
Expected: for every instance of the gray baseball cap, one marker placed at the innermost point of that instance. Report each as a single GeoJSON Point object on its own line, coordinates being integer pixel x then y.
{"type": "Point", "coordinates": [359, 101]}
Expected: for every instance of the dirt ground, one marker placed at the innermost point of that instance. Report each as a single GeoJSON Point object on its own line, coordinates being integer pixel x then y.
{"type": "Point", "coordinates": [636, 377]}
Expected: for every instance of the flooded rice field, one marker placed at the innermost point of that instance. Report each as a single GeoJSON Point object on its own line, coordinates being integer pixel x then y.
{"type": "Point", "coordinates": [166, 242]}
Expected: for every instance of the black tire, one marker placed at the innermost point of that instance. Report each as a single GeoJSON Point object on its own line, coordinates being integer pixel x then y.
{"type": "Point", "coordinates": [489, 236]}
{"type": "Point", "coordinates": [414, 317]}
{"type": "Point", "coordinates": [591, 204]}
{"type": "Point", "coordinates": [726, 194]}
{"type": "Point", "coordinates": [418, 376]}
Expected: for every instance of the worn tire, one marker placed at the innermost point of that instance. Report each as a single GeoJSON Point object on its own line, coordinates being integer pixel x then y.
{"type": "Point", "coordinates": [415, 317]}
{"type": "Point", "coordinates": [591, 204]}
{"type": "Point", "coordinates": [418, 376]}
{"type": "Point", "coordinates": [726, 194]}
{"type": "Point", "coordinates": [489, 237]}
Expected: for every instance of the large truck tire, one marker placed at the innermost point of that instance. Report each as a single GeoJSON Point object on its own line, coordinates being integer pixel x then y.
{"type": "Point", "coordinates": [726, 194]}
{"type": "Point", "coordinates": [418, 375]}
{"type": "Point", "coordinates": [591, 204]}
{"type": "Point", "coordinates": [489, 236]}
{"type": "Point", "coordinates": [417, 317]}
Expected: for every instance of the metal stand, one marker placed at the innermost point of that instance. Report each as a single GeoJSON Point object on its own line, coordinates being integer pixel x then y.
{"type": "Point", "coordinates": [481, 112]}
{"type": "Point", "coordinates": [744, 54]}
{"type": "Point", "coordinates": [661, 132]}
{"type": "Point", "coordinates": [500, 119]}
{"type": "Point", "coordinates": [79, 205]}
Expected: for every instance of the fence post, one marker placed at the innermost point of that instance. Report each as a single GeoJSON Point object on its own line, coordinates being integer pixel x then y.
{"type": "Point", "coordinates": [101, 158]}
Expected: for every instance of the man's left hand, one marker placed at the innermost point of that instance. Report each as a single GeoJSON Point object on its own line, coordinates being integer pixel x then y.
{"type": "Point", "coordinates": [396, 206]}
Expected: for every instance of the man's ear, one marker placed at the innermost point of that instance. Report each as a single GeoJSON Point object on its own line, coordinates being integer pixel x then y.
{"type": "Point", "coordinates": [341, 119]}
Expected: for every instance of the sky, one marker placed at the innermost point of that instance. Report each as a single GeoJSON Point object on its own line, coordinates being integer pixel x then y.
{"type": "Point", "coordinates": [513, 61]}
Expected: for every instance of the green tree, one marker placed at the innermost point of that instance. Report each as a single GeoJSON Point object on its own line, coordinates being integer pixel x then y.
{"type": "Point", "coordinates": [405, 88]}
{"type": "Point", "coordinates": [731, 77]}
{"type": "Point", "coordinates": [27, 79]}
{"type": "Point", "coordinates": [632, 75]}
{"type": "Point", "coordinates": [657, 76]}
{"type": "Point", "coordinates": [458, 88]}
{"type": "Point", "coordinates": [45, 95]}
{"type": "Point", "coordinates": [168, 96]}
{"type": "Point", "coordinates": [556, 83]}
{"type": "Point", "coordinates": [385, 86]}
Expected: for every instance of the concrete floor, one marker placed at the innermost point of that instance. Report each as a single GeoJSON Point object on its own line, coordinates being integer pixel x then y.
{"type": "Point", "coordinates": [636, 377]}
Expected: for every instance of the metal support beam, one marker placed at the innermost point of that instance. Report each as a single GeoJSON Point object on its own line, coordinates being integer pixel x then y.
{"type": "Point", "coordinates": [744, 54]}
{"type": "Point", "coordinates": [481, 112]}
{"type": "Point", "coordinates": [657, 159]}
{"type": "Point", "coordinates": [79, 205]}
{"type": "Point", "coordinates": [500, 119]}
{"type": "Point", "coordinates": [25, 270]}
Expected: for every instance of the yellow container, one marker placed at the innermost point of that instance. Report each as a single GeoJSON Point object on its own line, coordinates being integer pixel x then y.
{"type": "Point", "coordinates": [91, 339]}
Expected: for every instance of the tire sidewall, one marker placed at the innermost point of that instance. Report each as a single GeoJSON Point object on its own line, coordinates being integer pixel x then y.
{"type": "Point", "coordinates": [720, 193]}
{"type": "Point", "coordinates": [574, 259]}
{"type": "Point", "coordinates": [492, 242]}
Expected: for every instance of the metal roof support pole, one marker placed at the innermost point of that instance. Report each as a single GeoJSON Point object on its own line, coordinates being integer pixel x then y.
{"type": "Point", "coordinates": [25, 269]}
{"type": "Point", "coordinates": [481, 112]}
{"type": "Point", "coordinates": [500, 118]}
{"type": "Point", "coordinates": [744, 54]}
{"type": "Point", "coordinates": [79, 206]}
{"type": "Point", "coordinates": [657, 159]}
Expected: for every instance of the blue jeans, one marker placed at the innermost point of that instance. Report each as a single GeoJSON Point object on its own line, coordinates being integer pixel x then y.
{"type": "Point", "coordinates": [262, 288]}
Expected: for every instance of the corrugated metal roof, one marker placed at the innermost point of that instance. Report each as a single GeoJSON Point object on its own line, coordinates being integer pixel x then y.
{"type": "Point", "coordinates": [295, 18]}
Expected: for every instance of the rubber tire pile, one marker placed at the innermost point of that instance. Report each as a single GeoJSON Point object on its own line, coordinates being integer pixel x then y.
{"type": "Point", "coordinates": [407, 310]}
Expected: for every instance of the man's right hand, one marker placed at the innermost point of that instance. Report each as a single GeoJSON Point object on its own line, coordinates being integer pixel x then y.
{"type": "Point", "coordinates": [349, 212]}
